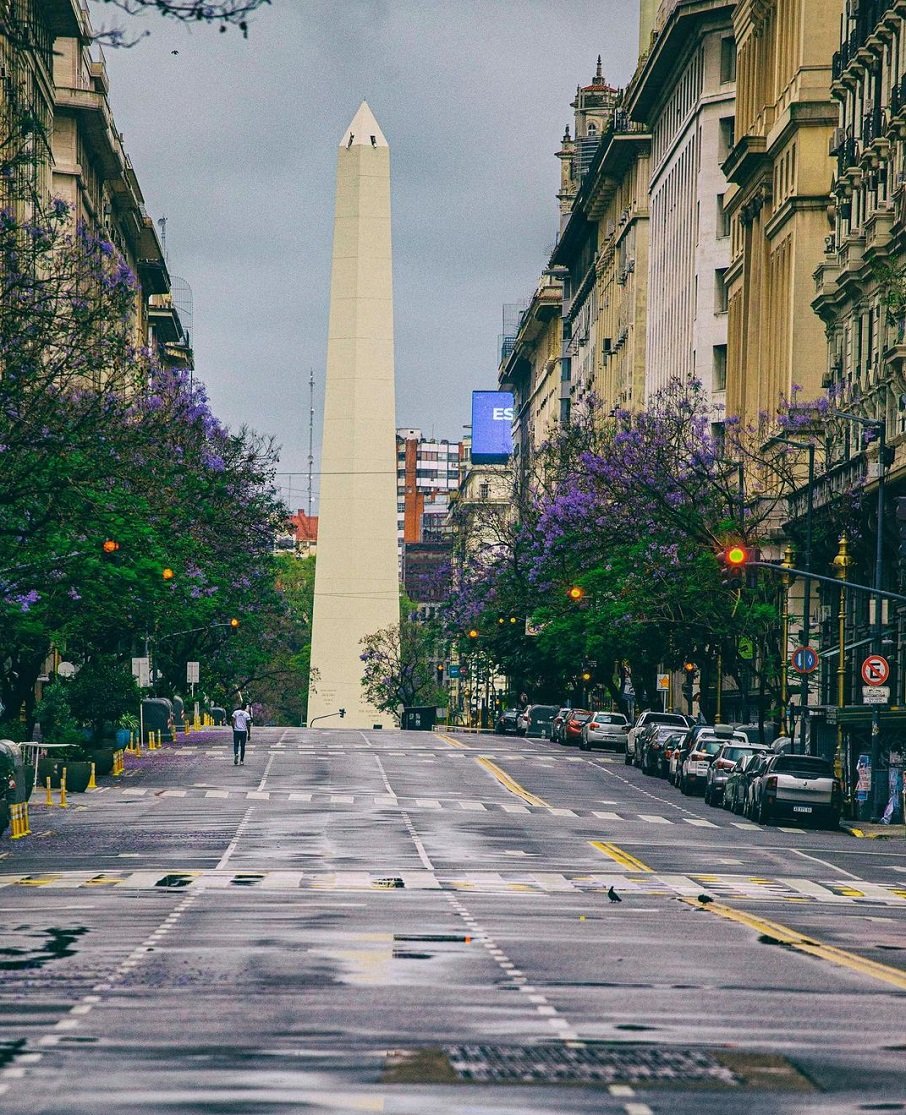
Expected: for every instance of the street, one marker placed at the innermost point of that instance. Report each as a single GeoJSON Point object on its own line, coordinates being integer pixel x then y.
{"type": "Point", "coordinates": [409, 922]}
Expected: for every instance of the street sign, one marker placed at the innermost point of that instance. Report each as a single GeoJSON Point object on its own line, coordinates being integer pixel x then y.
{"type": "Point", "coordinates": [141, 671]}
{"type": "Point", "coordinates": [745, 648]}
{"type": "Point", "coordinates": [663, 681]}
{"type": "Point", "coordinates": [192, 673]}
{"type": "Point", "coordinates": [804, 660]}
{"type": "Point", "coordinates": [875, 669]}
{"type": "Point", "coordinates": [453, 670]}
{"type": "Point", "coordinates": [876, 694]}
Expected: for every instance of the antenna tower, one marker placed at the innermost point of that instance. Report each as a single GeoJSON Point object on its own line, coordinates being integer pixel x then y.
{"type": "Point", "coordinates": [311, 432]}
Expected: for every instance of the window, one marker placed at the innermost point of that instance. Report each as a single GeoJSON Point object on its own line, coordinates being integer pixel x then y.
{"type": "Point", "coordinates": [727, 60]}
{"type": "Point", "coordinates": [727, 137]}
{"type": "Point", "coordinates": [720, 291]}
{"type": "Point", "coordinates": [484, 490]}
{"type": "Point", "coordinates": [723, 219]}
{"type": "Point", "coordinates": [720, 367]}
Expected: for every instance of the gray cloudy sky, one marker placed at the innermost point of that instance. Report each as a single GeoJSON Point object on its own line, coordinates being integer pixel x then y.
{"type": "Point", "coordinates": [235, 141]}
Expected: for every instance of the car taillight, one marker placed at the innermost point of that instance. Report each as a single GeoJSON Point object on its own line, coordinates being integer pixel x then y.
{"type": "Point", "coordinates": [592, 724]}
{"type": "Point", "coordinates": [770, 784]}
{"type": "Point", "coordinates": [724, 764]}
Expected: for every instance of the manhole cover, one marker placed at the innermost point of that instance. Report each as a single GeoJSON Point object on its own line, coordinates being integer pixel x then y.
{"type": "Point", "coordinates": [592, 1064]}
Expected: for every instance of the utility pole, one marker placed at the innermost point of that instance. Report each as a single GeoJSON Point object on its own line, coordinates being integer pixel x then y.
{"type": "Point", "coordinates": [311, 432]}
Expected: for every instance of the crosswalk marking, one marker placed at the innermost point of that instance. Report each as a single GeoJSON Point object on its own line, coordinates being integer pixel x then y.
{"type": "Point", "coordinates": [217, 793]}
{"type": "Point", "coordinates": [474, 806]}
{"type": "Point", "coordinates": [721, 887]}
{"type": "Point", "coordinates": [605, 816]}
{"type": "Point", "coordinates": [700, 822]}
{"type": "Point", "coordinates": [427, 803]}
{"type": "Point", "coordinates": [510, 807]}
{"type": "Point", "coordinates": [300, 797]}
{"type": "Point", "coordinates": [562, 812]}
{"type": "Point", "coordinates": [654, 819]}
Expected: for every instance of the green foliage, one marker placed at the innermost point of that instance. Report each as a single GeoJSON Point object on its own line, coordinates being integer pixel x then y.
{"type": "Point", "coordinates": [102, 691]}
{"type": "Point", "coordinates": [58, 725]}
{"type": "Point", "coordinates": [399, 666]}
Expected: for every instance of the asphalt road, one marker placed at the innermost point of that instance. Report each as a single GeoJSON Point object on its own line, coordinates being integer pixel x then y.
{"type": "Point", "coordinates": [402, 923]}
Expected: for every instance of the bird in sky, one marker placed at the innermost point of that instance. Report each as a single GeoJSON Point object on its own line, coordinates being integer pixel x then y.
{"type": "Point", "coordinates": [613, 896]}
{"type": "Point", "coordinates": [174, 52]}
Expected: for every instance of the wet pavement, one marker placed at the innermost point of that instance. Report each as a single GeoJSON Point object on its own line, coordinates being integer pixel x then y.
{"type": "Point", "coordinates": [403, 923]}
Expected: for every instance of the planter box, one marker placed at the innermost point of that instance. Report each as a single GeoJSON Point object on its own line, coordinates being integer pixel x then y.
{"type": "Point", "coordinates": [78, 775]}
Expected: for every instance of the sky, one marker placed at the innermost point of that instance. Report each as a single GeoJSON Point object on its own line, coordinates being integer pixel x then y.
{"type": "Point", "coordinates": [234, 142]}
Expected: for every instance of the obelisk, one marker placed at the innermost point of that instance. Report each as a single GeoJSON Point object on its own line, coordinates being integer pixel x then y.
{"type": "Point", "coordinates": [356, 578]}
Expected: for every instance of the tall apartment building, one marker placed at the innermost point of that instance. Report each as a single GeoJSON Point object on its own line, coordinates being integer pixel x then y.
{"type": "Point", "coordinates": [56, 77]}
{"type": "Point", "coordinates": [684, 90]}
{"type": "Point", "coordinates": [427, 472]}
{"type": "Point", "coordinates": [777, 201]}
{"type": "Point", "coordinates": [860, 293]}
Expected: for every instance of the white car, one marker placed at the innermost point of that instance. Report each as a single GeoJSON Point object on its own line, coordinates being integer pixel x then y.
{"type": "Point", "coordinates": [648, 717]}
{"type": "Point", "coordinates": [799, 788]}
{"type": "Point", "coordinates": [605, 728]}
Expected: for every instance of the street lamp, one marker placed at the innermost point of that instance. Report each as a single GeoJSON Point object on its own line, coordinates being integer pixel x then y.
{"type": "Point", "coordinates": [841, 564]}
{"type": "Point", "coordinates": [786, 580]}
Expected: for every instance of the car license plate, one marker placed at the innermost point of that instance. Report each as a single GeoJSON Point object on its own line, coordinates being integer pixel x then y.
{"type": "Point", "coordinates": [702, 768]}
{"type": "Point", "coordinates": [802, 809]}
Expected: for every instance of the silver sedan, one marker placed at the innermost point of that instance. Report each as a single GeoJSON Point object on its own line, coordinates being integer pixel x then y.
{"type": "Point", "coordinates": [605, 729]}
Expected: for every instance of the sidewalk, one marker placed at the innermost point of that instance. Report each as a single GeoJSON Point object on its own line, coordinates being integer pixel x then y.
{"type": "Point", "coordinates": [873, 832]}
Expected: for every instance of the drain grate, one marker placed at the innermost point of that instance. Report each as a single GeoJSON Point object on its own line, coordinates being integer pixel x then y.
{"type": "Point", "coordinates": [557, 1064]}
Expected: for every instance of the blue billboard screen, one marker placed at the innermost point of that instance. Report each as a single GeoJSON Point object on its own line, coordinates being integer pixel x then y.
{"type": "Point", "coordinates": [492, 427]}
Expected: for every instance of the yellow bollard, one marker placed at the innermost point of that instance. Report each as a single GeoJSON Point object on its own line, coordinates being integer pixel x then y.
{"type": "Point", "coordinates": [27, 829]}
{"type": "Point", "coordinates": [16, 830]}
{"type": "Point", "coordinates": [63, 803]}
{"type": "Point", "coordinates": [117, 763]}
{"type": "Point", "coordinates": [49, 799]}
{"type": "Point", "coordinates": [92, 785]}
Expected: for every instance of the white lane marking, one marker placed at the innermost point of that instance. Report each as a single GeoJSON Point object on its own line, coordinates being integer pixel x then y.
{"type": "Point", "coordinates": [341, 799]}
{"type": "Point", "coordinates": [620, 1090]}
{"type": "Point", "coordinates": [217, 793]}
{"type": "Point", "coordinates": [174, 793]}
{"type": "Point", "coordinates": [826, 863]}
{"type": "Point", "coordinates": [561, 812]}
{"type": "Point", "coordinates": [746, 825]}
{"type": "Point", "coordinates": [270, 763]}
{"type": "Point", "coordinates": [427, 803]}
{"type": "Point", "coordinates": [605, 816]}
{"type": "Point", "coordinates": [783, 828]}
{"type": "Point", "coordinates": [133, 793]}
{"type": "Point", "coordinates": [300, 797]}
{"type": "Point", "coordinates": [509, 808]}
{"type": "Point", "coordinates": [700, 822]}
{"type": "Point", "coordinates": [258, 795]}
{"type": "Point", "coordinates": [419, 846]}
{"type": "Point", "coordinates": [654, 819]}
{"type": "Point", "coordinates": [638, 1109]}
{"type": "Point", "coordinates": [474, 806]}
{"type": "Point", "coordinates": [231, 847]}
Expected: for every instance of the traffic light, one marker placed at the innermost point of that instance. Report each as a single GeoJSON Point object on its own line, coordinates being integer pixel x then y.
{"type": "Point", "coordinates": [234, 623]}
{"type": "Point", "coordinates": [586, 675]}
{"type": "Point", "coordinates": [575, 593]}
{"type": "Point", "coordinates": [439, 669]}
{"type": "Point", "coordinates": [472, 632]}
{"type": "Point", "coordinates": [110, 546]}
{"type": "Point", "coordinates": [167, 574]}
{"type": "Point", "coordinates": [734, 560]}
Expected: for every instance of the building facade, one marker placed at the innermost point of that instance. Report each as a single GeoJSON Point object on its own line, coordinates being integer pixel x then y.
{"type": "Point", "coordinates": [776, 204]}
{"type": "Point", "coordinates": [427, 472]}
{"type": "Point", "coordinates": [684, 89]}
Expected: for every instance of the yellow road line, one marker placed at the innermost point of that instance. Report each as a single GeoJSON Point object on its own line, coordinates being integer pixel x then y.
{"type": "Point", "coordinates": [808, 945]}
{"type": "Point", "coordinates": [452, 742]}
{"type": "Point", "coordinates": [509, 783]}
{"type": "Point", "coordinates": [619, 855]}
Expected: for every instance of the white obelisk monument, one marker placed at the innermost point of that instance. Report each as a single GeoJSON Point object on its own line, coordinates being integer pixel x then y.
{"type": "Point", "coordinates": [356, 577]}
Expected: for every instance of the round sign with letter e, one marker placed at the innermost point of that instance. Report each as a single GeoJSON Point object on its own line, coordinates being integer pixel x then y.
{"type": "Point", "coordinates": [875, 669]}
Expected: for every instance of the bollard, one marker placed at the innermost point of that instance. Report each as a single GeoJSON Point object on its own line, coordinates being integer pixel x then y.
{"type": "Point", "coordinates": [118, 765]}
{"type": "Point", "coordinates": [63, 804]}
{"type": "Point", "coordinates": [92, 785]}
{"type": "Point", "coordinates": [15, 817]}
{"type": "Point", "coordinates": [49, 799]}
{"type": "Point", "coordinates": [27, 830]}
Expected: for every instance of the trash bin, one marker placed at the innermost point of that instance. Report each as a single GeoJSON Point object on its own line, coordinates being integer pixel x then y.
{"type": "Point", "coordinates": [218, 715]}
{"type": "Point", "coordinates": [419, 718]}
{"type": "Point", "coordinates": [179, 713]}
{"type": "Point", "coordinates": [12, 773]}
{"type": "Point", "coordinates": [157, 716]}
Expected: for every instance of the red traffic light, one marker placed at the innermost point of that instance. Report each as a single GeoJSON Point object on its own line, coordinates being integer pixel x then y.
{"type": "Point", "coordinates": [110, 546]}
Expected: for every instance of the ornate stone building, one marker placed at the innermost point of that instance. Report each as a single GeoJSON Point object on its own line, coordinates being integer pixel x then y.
{"type": "Point", "coordinates": [776, 203]}
{"type": "Point", "coordinates": [684, 89]}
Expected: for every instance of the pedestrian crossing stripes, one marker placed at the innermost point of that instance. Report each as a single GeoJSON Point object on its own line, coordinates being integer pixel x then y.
{"type": "Point", "coordinates": [630, 883]}
{"type": "Point", "coordinates": [461, 805]}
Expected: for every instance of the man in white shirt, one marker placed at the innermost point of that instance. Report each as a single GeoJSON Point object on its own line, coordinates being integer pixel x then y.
{"type": "Point", "coordinates": [240, 720]}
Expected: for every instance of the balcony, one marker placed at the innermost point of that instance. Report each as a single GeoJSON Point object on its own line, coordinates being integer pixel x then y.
{"type": "Point", "coordinates": [96, 125]}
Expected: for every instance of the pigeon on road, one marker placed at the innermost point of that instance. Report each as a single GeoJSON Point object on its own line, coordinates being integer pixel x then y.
{"type": "Point", "coordinates": [705, 899]}
{"type": "Point", "coordinates": [613, 896]}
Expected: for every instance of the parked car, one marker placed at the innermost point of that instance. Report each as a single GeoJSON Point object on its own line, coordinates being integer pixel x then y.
{"type": "Point", "coordinates": [694, 768]}
{"type": "Point", "coordinates": [798, 787]}
{"type": "Point", "coordinates": [724, 732]}
{"type": "Point", "coordinates": [672, 743]}
{"type": "Point", "coordinates": [538, 719]}
{"type": "Point", "coordinates": [605, 729]}
{"type": "Point", "coordinates": [753, 778]}
{"type": "Point", "coordinates": [573, 724]}
{"type": "Point", "coordinates": [736, 789]}
{"type": "Point", "coordinates": [557, 724]}
{"type": "Point", "coordinates": [647, 717]}
{"type": "Point", "coordinates": [719, 771]}
{"type": "Point", "coordinates": [649, 747]}
{"type": "Point", "coordinates": [506, 722]}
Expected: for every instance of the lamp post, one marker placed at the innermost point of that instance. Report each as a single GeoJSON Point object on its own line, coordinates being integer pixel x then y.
{"type": "Point", "coordinates": [807, 586]}
{"type": "Point", "coordinates": [841, 563]}
{"type": "Point", "coordinates": [786, 580]}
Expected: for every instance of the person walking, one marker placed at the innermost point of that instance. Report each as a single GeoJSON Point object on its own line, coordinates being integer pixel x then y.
{"type": "Point", "coordinates": [240, 720]}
